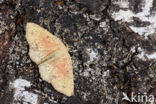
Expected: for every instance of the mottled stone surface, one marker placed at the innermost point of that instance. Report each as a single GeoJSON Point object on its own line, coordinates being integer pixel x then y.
{"type": "Point", "coordinates": [112, 44]}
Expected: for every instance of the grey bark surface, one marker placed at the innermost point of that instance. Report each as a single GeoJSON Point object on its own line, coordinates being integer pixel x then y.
{"type": "Point", "coordinates": [105, 51]}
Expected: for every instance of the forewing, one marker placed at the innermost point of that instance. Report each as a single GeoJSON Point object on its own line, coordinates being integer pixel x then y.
{"type": "Point", "coordinates": [41, 43]}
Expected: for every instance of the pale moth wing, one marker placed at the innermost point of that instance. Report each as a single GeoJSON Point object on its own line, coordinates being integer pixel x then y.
{"type": "Point", "coordinates": [52, 57]}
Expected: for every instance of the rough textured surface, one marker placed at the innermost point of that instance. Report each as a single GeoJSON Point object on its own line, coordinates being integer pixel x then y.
{"type": "Point", "coordinates": [112, 44]}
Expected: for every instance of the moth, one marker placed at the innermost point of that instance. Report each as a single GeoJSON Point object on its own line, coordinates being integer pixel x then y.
{"type": "Point", "coordinates": [52, 58]}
